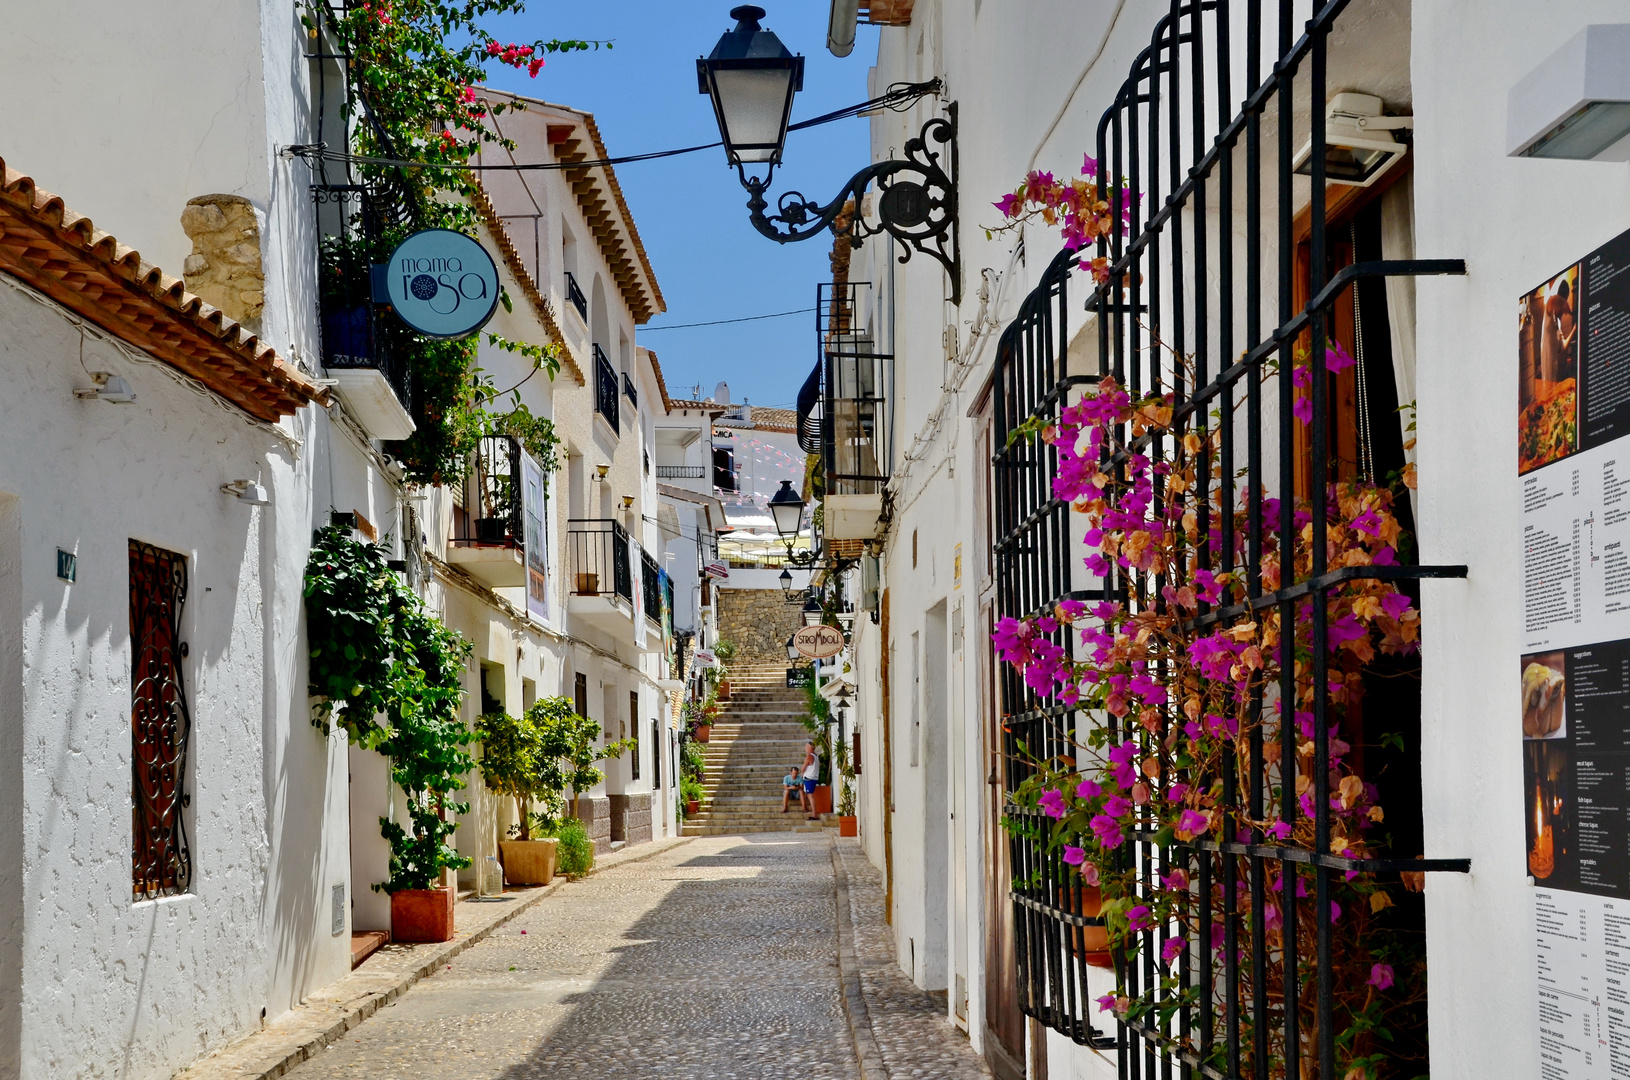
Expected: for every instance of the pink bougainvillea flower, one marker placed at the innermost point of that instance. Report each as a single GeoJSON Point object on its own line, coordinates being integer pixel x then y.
{"type": "Point", "coordinates": [1117, 806]}
{"type": "Point", "coordinates": [1396, 605]}
{"type": "Point", "coordinates": [1089, 873]}
{"type": "Point", "coordinates": [1138, 918]}
{"type": "Point", "coordinates": [1008, 204]}
{"type": "Point", "coordinates": [1052, 803]}
{"type": "Point", "coordinates": [1381, 976]}
{"type": "Point", "coordinates": [1073, 855]}
{"type": "Point", "coordinates": [1107, 1003]}
{"type": "Point", "coordinates": [1177, 880]}
{"type": "Point", "coordinates": [1088, 789]}
{"type": "Point", "coordinates": [1302, 409]}
{"type": "Point", "coordinates": [1172, 949]}
{"type": "Point", "coordinates": [1190, 823]}
{"type": "Point", "coordinates": [1089, 165]}
{"type": "Point", "coordinates": [1107, 830]}
{"type": "Point", "coordinates": [1337, 358]}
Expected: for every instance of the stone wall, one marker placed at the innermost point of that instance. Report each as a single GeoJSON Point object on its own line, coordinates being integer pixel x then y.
{"type": "Point", "coordinates": [595, 814]}
{"type": "Point", "coordinates": [759, 621]}
{"type": "Point", "coordinates": [631, 818]}
{"type": "Point", "coordinates": [224, 267]}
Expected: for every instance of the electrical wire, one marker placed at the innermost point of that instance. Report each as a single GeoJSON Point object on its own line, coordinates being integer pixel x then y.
{"type": "Point", "coordinates": [721, 322]}
{"type": "Point", "coordinates": [900, 96]}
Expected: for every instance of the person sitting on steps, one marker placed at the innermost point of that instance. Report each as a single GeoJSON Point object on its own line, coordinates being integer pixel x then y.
{"type": "Point", "coordinates": [791, 784]}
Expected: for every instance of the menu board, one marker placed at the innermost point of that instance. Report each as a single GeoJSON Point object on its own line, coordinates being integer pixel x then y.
{"type": "Point", "coordinates": [1573, 466]}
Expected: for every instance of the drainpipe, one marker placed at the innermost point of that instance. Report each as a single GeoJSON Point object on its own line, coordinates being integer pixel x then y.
{"type": "Point", "coordinates": [840, 28]}
{"type": "Point", "coordinates": [888, 762]}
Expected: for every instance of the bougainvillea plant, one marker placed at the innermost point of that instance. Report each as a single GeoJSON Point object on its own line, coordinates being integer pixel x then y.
{"type": "Point", "coordinates": [1082, 210]}
{"type": "Point", "coordinates": [1179, 700]}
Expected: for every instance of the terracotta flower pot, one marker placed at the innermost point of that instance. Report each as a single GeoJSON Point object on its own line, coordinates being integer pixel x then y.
{"type": "Point", "coordinates": [1090, 943]}
{"type": "Point", "coordinates": [724, 690]}
{"type": "Point", "coordinates": [588, 584]}
{"type": "Point", "coordinates": [703, 732]}
{"type": "Point", "coordinates": [823, 798]}
{"type": "Point", "coordinates": [848, 826]}
{"type": "Point", "coordinates": [693, 807]}
{"type": "Point", "coordinates": [528, 862]}
{"type": "Point", "coordinates": [422, 915]}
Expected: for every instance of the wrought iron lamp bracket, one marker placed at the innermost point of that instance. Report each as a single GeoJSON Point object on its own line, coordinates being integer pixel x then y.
{"type": "Point", "coordinates": [916, 203]}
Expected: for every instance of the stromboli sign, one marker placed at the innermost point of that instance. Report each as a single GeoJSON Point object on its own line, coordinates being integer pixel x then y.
{"type": "Point", "coordinates": [442, 283]}
{"type": "Point", "coordinates": [818, 642]}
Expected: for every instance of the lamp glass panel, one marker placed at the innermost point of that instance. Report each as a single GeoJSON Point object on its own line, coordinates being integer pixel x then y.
{"type": "Point", "coordinates": [753, 105]}
{"type": "Point", "coordinates": [1586, 133]}
{"type": "Point", "coordinates": [1351, 164]}
{"type": "Point", "coordinates": [788, 516]}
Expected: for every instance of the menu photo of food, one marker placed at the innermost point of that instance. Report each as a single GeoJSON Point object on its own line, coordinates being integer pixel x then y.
{"type": "Point", "coordinates": [1548, 372]}
{"type": "Point", "coordinates": [1544, 686]}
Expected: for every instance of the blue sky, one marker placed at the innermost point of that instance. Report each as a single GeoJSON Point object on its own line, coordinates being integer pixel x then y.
{"type": "Point", "coordinates": [691, 210]}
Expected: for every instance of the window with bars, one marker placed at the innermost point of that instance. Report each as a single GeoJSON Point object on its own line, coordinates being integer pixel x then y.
{"type": "Point", "coordinates": [634, 733]}
{"type": "Point", "coordinates": [1223, 283]}
{"type": "Point", "coordinates": [160, 724]}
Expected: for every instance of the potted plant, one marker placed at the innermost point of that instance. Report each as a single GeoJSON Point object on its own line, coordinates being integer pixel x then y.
{"type": "Point", "coordinates": [725, 650]}
{"type": "Point", "coordinates": [567, 754]}
{"type": "Point", "coordinates": [848, 824]}
{"type": "Point", "coordinates": [691, 793]}
{"type": "Point", "coordinates": [511, 765]}
{"type": "Point", "coordinates": [701, 719]}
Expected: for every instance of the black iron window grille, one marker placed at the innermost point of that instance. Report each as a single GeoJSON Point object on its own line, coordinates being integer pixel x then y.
{"type": "Point", "coordinates": [856, 379]}
{"type": "Point", "coordinates": [605, 388]}
{"type": "Point", "coordinates": [491, 502]}
{"type": "Point", "coordinates": [650, 588]}
{"type": "Point", "coordinates": [1209, 253]}
{"type": "Point", "coordinates": [668, 610]}
{"type": "Point", "coordinates": [160, 724]}
{"type": "Point", "coordinates": [629, 392]}
{"type": "Point", "coordinates": [574, 293]}
{"type": "Point", "coordinates": [600, 558]}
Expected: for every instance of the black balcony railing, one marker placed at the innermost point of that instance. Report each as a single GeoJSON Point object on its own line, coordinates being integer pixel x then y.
{"type": "Point", "coordinates": [632, 394]}
{"type": "Point", "coordinates": [600, 558]}
{"type": "Point", "coordinates": [605, 388]}
{"type": "Point", "coordinates": [681, 472]}
{"type": "Point", "coordinates": [491, 513]}
{"type": "Point", "coordinates": [668, 612]}
{"type": "Point", "coordinates": [856, 376]}
{"type": "Point", "coordinates": [651, 588]}
{"type": "Point", "coordinates": [356, 334]}
{"type": "Point", "coordinates": [575, 295]}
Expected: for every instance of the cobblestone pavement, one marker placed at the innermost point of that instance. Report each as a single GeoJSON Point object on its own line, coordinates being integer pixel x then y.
{"type": "Point", "coordinates": [908, 1024]}
{"type": "Point", "coordinates": [715, 959]}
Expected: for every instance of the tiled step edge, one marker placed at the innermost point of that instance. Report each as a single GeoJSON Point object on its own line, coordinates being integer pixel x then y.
{"type": "Point", "coordinates": [303, 1032]}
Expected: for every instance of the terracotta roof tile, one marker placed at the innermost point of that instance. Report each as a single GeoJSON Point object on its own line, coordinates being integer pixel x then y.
{"type": "Point", "coordinates": [85, 269]}
{"type": "Point", "coordinates": [774, 419]}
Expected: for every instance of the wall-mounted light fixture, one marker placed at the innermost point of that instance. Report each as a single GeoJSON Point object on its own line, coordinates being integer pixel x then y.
{"type": "Point", "coordinates": [600, 472]}
{"type": "Point", "coordinates": [248, 491]}
{"type": "Point", "coordinates": [109, 387]}
{"type": "Point", "coordinates": [628, 502]}
{"type": "Point", "coordinates": [1576, 104]}
{"type": "Point", "coordinates": [1358, 142]}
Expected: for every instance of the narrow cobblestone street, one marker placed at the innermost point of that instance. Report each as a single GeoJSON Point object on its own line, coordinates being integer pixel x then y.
{"type": "Point", "coordinates": [718, 958]}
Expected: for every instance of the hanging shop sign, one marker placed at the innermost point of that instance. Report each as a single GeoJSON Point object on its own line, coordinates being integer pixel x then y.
{"type": "Point", "coordinates": [1573, 667]}
{"type": "Point", "coordinates": [442, 283]}
{"type": "Point", "coordinates": [818, 642]}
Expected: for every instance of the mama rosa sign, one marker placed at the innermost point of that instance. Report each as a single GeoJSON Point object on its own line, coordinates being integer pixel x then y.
{"type": "Point", "coordinates": [442, 283]}
{"type": "Point", "coordinates": [818, 642]}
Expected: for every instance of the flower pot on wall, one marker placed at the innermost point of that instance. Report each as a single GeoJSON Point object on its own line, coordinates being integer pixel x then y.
{"type": "Point", "coordinates": [419, 915]}
{"type": "Point", "coordinates": [702, 732]}
{"type": "Point", "coordinates": [823, 798]}
{"type": "Point", "coordinates": [528, 862]}
{"type": "Point", "coordinates": [848, 826]}
{"type": "Point", "coordinates": [693, 807]}
{"type": "Point", "coordinates": [1090, 943]}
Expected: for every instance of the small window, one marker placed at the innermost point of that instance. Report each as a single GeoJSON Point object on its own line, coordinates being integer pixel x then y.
{"type": "Point", "coordinates": [160, 724]}
{"type": "Point", "coordinates": [580, 693]}
{"type": "Point", "coordinates": [634, 727]}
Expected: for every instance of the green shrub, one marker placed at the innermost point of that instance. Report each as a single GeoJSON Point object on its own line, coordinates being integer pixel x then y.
{"type": "Point", "coordinates": [575, 855]}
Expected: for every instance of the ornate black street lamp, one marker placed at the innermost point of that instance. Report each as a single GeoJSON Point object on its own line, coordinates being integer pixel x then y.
{"type": "Point", "coordinates": [751, 78]}
{"type": "Point", "coordinates": [787, 510]}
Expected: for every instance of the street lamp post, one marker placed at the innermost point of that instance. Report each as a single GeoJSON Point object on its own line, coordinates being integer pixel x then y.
{"type": "Point", "coordinates": [751, 78]}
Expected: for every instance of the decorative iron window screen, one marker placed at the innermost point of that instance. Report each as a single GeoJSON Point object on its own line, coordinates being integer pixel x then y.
{"type": "Point", "coordinates": [160, 724]}
{"type": "Point", "coordinates": [855, 384]}
{"type": "Point", "coordinates": [1187, 278]}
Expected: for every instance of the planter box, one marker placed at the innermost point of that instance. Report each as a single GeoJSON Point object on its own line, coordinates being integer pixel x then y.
{"type": "Point", "coordinates": [823, 798]}
{"type": "Point", "coordinates": [703, 732]}
{"type": "Point", "coordinates": [848, 826]}
{"type": "Point", "coordinates": [420, 915]}
{"type": "Point", "coordinates": [528, 862]}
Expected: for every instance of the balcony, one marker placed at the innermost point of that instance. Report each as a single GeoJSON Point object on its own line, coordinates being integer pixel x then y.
{"type": "Point", "coordinates": [574, 294]}
{"type": "Point", "coordinates": [681, 472]}
{"type": "Point", "coordinates": [370, 376]}
{"type": "Point", "coordinates": [605, 388]}
{"type": "Point", "coordinates": [489, 538]}
{"type": "Point", "coordinates": [629, 392]}
{"type": "Point", "coordinates": [844, 408]}
{"type": "Point", "coordinates": [602, 577]}
{"type": "Point", "coordinates": [651, 589]}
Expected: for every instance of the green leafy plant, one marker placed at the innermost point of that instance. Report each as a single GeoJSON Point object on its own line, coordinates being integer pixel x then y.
{"type": "Point", "coordinates": [568, 756]}
{"type": "Point", "coordinates": [376, 651]}
{"type": "Point", "coordinates": [691, 790]}
{"type": "Point", "coordinates": [575, 855]}
{"type": "Point", "coordinates": [510, 752]}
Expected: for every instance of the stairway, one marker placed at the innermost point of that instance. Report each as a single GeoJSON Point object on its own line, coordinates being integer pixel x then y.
{"type": "Point", "coordinates": [758, 735]}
